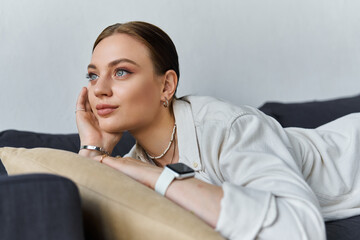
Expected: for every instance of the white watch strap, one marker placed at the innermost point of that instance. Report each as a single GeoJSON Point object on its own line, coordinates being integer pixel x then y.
{"type": "Point", "coordinates": [163, 182]}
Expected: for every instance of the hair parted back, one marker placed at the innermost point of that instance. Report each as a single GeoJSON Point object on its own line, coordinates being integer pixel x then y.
{"type": "Point", "coordinates": [162, 50]}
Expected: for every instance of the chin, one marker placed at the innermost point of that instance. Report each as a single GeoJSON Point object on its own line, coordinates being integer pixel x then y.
{"type": "Point", "coordinates": [111, 127]}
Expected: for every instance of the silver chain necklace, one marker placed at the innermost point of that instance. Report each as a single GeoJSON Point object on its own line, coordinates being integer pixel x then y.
{"type": "Point", "coordinates": [167, 149]}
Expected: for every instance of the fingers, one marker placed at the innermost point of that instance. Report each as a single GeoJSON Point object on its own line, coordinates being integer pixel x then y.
{"type": "Point", "coordinates": [120, 163]}
{"type": "Point", "coordinates": [87, 103]}
{"type": "Point", "coordinates": [80, 103]}
{"type": "Point", "coordinates": [101, 158]}
{"type": "Point", "coordinates": [83, 103]}
{"type": "Point", "coordinates": [110, 161]}
{"type": "Point", "coordinates": [142, 172]}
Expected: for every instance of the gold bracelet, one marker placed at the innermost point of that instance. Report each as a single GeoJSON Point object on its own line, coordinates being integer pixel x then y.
{"type": "Point", "coordinates": [102, 157]}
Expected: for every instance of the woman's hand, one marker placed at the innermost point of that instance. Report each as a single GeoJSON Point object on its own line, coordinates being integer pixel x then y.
{"type": "Point", "coordinates": [89, 130]}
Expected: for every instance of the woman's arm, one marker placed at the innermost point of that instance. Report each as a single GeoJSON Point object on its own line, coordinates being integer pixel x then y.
{"type": "Point", "coordinates": [201, 198]}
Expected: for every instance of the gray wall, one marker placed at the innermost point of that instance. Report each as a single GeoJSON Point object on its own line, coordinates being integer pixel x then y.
{"type": "Point", "coordinates": [245, 51]}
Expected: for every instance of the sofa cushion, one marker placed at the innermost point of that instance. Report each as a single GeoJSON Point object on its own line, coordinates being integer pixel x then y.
{"type": "Point", "coordinates": [114, 205]}
{"type": "Point", "coordinates": [311, 114]}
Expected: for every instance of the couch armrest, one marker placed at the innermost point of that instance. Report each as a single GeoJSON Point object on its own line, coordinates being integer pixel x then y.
{"type": "Point", "coordinates": [39, 206]}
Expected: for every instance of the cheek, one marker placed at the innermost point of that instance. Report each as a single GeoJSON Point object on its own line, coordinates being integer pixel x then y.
{"type": "Point", "coordinates": [140, 92]}
{"type": "Point", "coordinates": [148, 94]}
{"type": "Point", "coordinates": [141, 100]}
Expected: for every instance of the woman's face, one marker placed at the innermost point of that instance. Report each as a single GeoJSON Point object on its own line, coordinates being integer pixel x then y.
{"type": "Point", "coordinates": [124, 91]}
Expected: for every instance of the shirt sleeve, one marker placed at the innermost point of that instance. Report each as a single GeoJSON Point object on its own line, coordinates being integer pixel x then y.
{"type": "Point", "coordinates": [265, 195]}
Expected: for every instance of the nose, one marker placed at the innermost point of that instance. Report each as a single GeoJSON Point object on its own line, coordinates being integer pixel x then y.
{"type": "Point", "coordinates": [103, 87]}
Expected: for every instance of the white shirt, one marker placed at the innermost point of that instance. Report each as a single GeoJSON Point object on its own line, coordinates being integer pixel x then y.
{"type": "Point", "coordinates": [278, 183]}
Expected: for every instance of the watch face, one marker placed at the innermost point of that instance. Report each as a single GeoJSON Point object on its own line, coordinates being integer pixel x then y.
{"type": "Point", "coordinates": [180, 168]}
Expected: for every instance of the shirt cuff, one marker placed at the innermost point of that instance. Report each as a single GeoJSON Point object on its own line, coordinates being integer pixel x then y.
{"type": "Point", "coordinates": [244, 211]}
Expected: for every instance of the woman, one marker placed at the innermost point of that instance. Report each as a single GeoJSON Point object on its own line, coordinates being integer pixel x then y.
{"type": "Point", "coordinates": [252, 177]}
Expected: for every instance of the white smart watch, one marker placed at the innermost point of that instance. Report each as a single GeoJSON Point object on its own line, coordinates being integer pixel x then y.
{"type": "Point", "coordinates": [170, 172]}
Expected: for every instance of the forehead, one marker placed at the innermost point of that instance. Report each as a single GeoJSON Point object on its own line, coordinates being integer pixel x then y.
{"type": "Point", "coordinates": [120, 46]}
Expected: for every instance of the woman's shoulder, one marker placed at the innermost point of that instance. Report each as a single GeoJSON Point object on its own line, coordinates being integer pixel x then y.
{"type": "Point", "coordinates": [205, 108]}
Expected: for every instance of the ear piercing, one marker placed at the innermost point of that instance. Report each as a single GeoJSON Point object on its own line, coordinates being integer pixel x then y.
{"type": "Point", "coordinates": [166, 103]}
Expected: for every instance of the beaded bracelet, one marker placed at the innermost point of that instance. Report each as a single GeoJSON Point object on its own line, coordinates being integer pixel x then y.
{"type": "Point", "coordinates": [96, 148]}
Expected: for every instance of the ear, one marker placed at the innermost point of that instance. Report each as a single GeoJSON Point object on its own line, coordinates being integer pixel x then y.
{"type": "Point", "coordinates": [170, 83]}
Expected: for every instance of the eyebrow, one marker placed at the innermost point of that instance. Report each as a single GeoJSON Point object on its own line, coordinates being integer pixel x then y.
{"type": "Point", "coordinates": [115, 62]}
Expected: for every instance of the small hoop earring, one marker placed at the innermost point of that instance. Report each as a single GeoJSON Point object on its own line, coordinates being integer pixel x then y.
{"type": "Point", "coordinates": [166, 103]}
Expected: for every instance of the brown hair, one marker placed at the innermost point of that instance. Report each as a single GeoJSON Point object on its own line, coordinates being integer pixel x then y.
{"type": "Point", "coordinates": [162, 50]}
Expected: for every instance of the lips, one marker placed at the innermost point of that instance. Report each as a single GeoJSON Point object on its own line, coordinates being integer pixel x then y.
{"type": "Point", "coordinates": [105, 109]}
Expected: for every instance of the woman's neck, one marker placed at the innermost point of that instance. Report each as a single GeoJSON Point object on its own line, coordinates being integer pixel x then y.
{"type": "Point", "coordinates": [155, 138]}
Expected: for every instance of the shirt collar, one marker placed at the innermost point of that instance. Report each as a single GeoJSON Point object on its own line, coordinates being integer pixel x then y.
{"type": "Point", "coordinates": [187, 140]}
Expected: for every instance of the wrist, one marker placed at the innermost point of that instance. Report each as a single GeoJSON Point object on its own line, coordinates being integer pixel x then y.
{"type": "Point", "coordinates": [155, 176]}
{"type": "Point", "coordinates": [170, 173]}
{"type": "Point", "coordinates": [89, 153]}
{"type": "Point", "coordinates": [107, 147]}
{"type": "Point", "coordinates": [95, 148]}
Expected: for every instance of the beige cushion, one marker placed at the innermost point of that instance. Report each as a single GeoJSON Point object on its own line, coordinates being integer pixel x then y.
{"type": "Point", "coordinates": [114, 205]}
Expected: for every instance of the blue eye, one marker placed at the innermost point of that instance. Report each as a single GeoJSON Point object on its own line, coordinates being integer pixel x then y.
{"type": "Point", "coordinates": [91, 76]}
{"type": "Point", "coordinates": [121, 73]}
